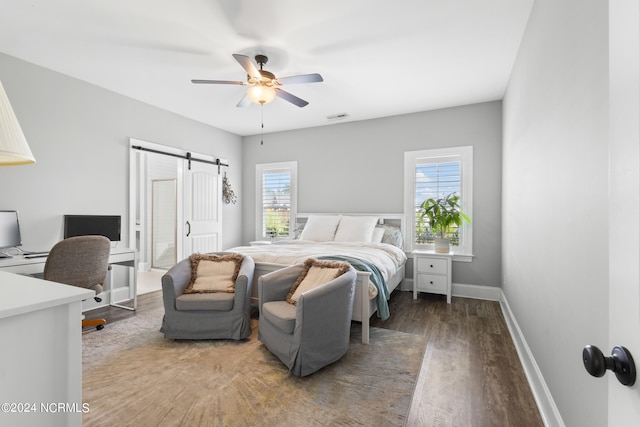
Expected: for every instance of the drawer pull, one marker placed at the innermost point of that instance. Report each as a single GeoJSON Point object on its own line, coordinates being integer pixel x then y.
{"type": "Point", "coordinates": [431, 266]}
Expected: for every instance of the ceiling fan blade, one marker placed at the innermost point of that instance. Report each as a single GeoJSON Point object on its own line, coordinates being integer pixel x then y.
{"type": "Point", "coordinates": [217, 82]}
{"type": "Point", "coordinates": [248, 65]}
{"type": "Point", "coordinates": [291, 98]}
{"type": "Point", "coordinates": [303, 78]}
{"type": "Point", "coordinates": [244, 102]}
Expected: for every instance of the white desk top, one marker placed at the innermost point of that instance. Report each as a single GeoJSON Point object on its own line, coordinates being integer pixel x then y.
{"type": "Point", "coordinates": [23, 294]}
{"type": "Point", "coordinates": [114, 255]}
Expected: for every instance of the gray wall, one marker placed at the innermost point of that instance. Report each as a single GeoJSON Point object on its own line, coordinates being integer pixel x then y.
{"type": "Point", "coordinates": [79, 134]}
{"type": "Point", "coordinates": [357, 167]}
{"type": "Point", "coordinates": [555, 214]}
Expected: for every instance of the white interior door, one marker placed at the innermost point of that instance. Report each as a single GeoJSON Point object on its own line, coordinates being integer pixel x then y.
{"type": "Point", "coordinates": [624, 199]}
{"type": "Point", "coordinates": [202, 209]}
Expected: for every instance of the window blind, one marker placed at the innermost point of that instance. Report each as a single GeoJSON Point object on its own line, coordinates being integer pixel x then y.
{"type": "Point", "coordinates": [435, 178]}
{"type": "Point", "coordinates": [276, 203]}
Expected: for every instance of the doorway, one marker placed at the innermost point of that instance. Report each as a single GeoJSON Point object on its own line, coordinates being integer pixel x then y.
{"type": "Point", "coordinates": [175, 208]}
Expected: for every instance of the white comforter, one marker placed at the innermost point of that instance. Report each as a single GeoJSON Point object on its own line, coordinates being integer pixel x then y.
{"type": "Point", "coordinates": [387, 258]}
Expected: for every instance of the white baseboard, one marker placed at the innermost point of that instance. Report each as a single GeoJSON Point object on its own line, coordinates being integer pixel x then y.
{"type": "Point", "coordinates": [548, 409]}
{"type": "Point", "coordinates": [490, 293]}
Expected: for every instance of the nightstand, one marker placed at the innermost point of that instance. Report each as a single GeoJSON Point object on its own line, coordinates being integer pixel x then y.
{"type": "Point", "coordinates": [260, 242]}
{"type": "Point", "coordinates": [432, 273]}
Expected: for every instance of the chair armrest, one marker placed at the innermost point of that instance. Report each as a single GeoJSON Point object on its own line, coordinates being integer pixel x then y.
{"type": "Point", "coordinates": [174, 282]}
{"type": "Point", "coordinates": [329, 305]}
{"type": "Point", "coordinates": [243, 283]}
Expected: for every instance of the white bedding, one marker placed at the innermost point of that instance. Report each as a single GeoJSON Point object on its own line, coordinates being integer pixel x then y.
{"type": "Point", "coordinates": [387, 258]}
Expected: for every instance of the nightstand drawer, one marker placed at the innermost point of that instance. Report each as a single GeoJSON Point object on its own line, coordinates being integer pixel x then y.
{"type": "Point", "coordinates": [430, 283]}
{"type": "Point", "coordinates": [431, 265]}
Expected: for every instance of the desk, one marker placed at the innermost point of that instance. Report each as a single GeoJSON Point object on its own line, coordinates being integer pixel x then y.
{"type": "Point", "coordinates": [119, 256]}
{"type": "Point", "coordinates": [41, 357]}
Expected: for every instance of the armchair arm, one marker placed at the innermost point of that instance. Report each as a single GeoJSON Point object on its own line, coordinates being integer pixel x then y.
{"type": "Point", "coordinates": [174, 282]}
{"type": "Point", "coordinates": [326, 309]}
{"type": "Point", "coordinates": [243, 283]}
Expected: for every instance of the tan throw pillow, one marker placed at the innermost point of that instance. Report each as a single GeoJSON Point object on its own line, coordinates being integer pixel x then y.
{"type": "Point", "coordinates": [314, 274]}
{"type": "Point", "coordinates": [213, 273]}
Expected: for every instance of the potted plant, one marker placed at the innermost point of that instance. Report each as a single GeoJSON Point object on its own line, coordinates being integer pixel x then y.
{"type": "Point", "coordinates": [444, 216]}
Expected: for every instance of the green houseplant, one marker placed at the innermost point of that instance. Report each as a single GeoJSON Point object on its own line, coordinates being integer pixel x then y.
{"type": "Point", "coordinates": [444, 217]}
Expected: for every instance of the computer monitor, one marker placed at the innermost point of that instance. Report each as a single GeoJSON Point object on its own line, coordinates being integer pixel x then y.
{"type": "Point", "coordinates": [9, 231]}
{"type": "Point", "coordinates": [92, 225]}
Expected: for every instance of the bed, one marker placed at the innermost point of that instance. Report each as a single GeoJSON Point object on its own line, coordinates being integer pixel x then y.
{"type": "Point", "coordinates": [372, 243]}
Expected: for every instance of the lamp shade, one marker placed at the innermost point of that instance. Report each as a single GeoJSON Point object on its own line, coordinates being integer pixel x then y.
{"type": "Point", "coordinates": [261, 94]}
{"type": "Point", "coordinates": [14, 149]}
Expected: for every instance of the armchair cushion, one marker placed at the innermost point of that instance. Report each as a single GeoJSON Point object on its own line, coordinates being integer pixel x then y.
{"type": "Point", "coordinates": [281, 314]}
{"type": "Point", "coordinates": [213, 273]}
{"type": "Point", "coordinates": [314, 274]}
{"type": "Point", "coordinates": [217, 301]}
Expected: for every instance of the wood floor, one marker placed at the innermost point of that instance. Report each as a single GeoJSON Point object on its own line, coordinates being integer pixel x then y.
{"type": "Point", "coordinates": [470, 375]}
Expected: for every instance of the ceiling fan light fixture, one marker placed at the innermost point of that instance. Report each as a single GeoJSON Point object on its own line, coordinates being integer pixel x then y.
{"type": "Point", "coordinates": [261, 94]}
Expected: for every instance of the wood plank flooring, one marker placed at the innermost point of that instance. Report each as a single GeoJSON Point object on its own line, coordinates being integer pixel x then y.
{"type": "Point", "coordinates": [470, 375]}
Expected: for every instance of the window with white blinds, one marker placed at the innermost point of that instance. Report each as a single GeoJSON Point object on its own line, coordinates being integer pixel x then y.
{"type": "Point", "coordinates": [276, 204]}
{"type": "Point", "coordinates": [433, 174]}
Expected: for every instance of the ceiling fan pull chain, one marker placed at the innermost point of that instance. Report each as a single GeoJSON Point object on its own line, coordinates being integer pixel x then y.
{"type": "Point", "coordinates": [261, 124]}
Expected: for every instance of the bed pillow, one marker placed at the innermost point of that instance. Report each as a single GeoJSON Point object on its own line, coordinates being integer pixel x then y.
{"type": "Point", "coordinates": [356, 229]}
{"type": "Point", "coordinates": [314, 274]}
{"type": "Point", "coordinates": [213, 273]}
{"type": "Point", "coordinates": [378, 234]}
{"type": "Point", "coordinates": [320, 228]}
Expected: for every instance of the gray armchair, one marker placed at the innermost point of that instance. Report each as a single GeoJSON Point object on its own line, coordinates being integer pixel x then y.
{"type": "Point", "coordinates": [209, 315]}
{"type": "Point", "coordinates": [313, 333]}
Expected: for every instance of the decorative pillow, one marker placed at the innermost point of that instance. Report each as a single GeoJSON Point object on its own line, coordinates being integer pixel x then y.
{"type": "Point", "coordinates": [320, 228]}
{"type": "Point", "coordinates": [314, 274]}
{"type": "Point", "coordinates": [393, 236]}
{"type": "Point", "coordinates": [213, 273]}
{"type": "Point", "coordinates": [355, 229]}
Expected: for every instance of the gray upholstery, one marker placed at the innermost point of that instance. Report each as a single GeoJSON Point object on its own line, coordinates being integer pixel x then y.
{"type": "Point", "coordinates": [209, 315]}
{"type": "Point", "coordinates": [81, 261]}
{"type": "Point", "coordinates": [313, 333]}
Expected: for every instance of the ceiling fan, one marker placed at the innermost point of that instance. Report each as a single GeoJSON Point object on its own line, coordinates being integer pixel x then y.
{"type": "Point", "coordinates": [264, 86]}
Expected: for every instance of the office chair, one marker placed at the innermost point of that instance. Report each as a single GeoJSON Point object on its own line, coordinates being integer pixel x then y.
{"type": "Point", "coordinates": [81, 261]}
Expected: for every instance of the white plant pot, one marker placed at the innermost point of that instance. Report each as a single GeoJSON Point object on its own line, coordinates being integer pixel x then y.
{"type": "Point", "coordinates": [442, 245]}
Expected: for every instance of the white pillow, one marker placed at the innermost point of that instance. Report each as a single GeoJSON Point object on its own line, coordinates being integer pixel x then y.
{"type": "Point", "coordinates": [320, 228]}
{"type": "Point", "coordinates": [356, 229]}
{"type": "Point", "coordinates": [378, 234]}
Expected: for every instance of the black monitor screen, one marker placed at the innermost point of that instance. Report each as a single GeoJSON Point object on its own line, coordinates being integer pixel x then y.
{"type": "Point", "coordinates": [9, 229]}
{"type": "Point", "coordinates": [92, 225]}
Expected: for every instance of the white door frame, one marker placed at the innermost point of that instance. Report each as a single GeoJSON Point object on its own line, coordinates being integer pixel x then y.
{"type": "Point", "coordinates": [136, 173]}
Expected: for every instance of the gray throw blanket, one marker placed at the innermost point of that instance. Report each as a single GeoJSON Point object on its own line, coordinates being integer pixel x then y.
{"type": "Point", "coordinates": [376, 278]}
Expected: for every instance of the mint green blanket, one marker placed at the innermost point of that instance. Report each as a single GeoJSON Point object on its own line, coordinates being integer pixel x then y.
{"type": "Point", "coordinates": [376, 278]}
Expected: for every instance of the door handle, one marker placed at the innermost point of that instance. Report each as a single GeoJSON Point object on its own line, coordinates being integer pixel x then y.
{"type": "Point", "coordinates": [620, 362]}
{"type": "Point", "coordinates": [188, 228]}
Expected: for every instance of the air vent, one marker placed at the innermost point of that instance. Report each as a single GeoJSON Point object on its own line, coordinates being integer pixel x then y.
{"type": "Point", "coordinates": [335, 117]}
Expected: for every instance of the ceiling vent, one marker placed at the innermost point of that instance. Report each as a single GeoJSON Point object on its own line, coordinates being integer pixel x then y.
{"type": "Point", "coordinates": [336, 117]}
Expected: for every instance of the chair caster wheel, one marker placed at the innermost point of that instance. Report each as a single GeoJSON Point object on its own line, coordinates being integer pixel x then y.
{"type": "Point", "coordinates": [100, 327]}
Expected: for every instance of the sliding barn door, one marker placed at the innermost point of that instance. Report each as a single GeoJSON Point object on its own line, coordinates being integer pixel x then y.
{"type": "Point", "coordinates": [202, 208]}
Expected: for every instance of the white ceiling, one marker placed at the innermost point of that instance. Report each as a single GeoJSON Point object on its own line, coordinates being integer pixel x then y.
{"type": "Point", "coordinates": [378, 58]}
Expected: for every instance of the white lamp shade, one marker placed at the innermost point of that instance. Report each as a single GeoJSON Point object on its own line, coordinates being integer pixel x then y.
{"type": "Point", "coordinates": [14, 149]}
{"type": "Point", "coordinates": [261, 94]}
